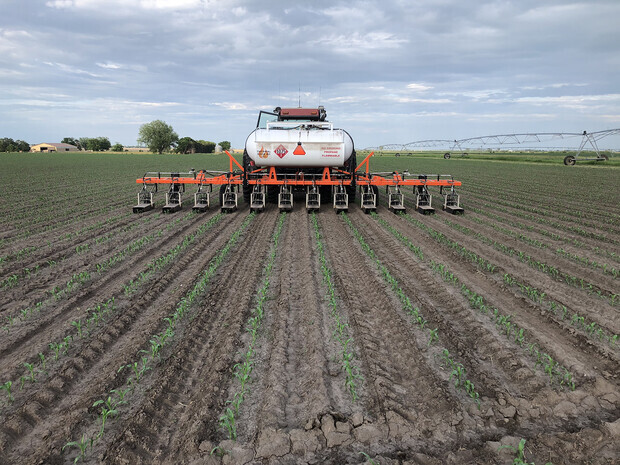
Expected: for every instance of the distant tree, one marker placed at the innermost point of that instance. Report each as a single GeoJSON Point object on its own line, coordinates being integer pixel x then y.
{"type": "Point", "coordinates": [6, 143]}
{"type": "Point", "coordinates": [158, 136]}
{"type": "Point", "coordinates": [83, 143]}
{"type": "Point", "coordinates": [117, 147]}
{"type": "Point", "coordinates": [9, 145]}
{"type": "Point", "coordinates": [206, 146]}
{"type": "Point", "coordinates": [72, 141]}
{"type": "Point", "coordinates": [96, 144]}
{"type": "Point", "coordinates": [103, 143]}
{"type": "Point", "coordinates": [225, 145]}
{"type": "Point", "coordinates": [186, 145]}
{"type": "Point", "coordinates": [22, 146]}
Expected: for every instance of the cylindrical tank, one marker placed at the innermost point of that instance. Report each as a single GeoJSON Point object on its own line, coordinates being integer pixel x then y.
{"type": "Point", "coordinates": [315, 145]}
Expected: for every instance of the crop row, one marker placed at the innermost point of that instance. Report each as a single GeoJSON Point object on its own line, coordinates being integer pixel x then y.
{"type": "Point", "coordinates": [576, 320]}
{"type": "Point", "coordinates": [485, 265]}
{"type": "Point", "coordinates": [243, 370]}
{"type": "Point", "coordinates": [80, 249]}
{"type": "Point", "coordinates": [457, 370]}
{"type": "Point", "coordinates": [536, 264]}
{"type": "Point", "coordinates": [100, 313]}
{"type": "Point", "coordinates": [557, 373]}
{"type": "Point", "coordinates": [341, 330]}
{"type": "Point", "coordinates": [164, 260]}
{"type": "Point", "coordinates": [556, 237]}
{"type": "Point", "coordinates": [559, 226]}
{"type": "Point", "coordinates": [572, 215]}
{"type": "Point", "coordinates": [110, 405]}
{"type": "Point", "coordinates": [607, 269]}
{"type": "Point", "coordinates": [59, 292]}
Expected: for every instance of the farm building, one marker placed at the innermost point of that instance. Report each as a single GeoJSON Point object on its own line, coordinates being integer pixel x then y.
{"type": "Point", "coordinates": [44, 147]}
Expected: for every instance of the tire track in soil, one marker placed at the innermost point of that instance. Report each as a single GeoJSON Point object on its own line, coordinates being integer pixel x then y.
{"type": "Point", "coordinates": [57, 408]}
{"type": "Point", "coordinates": [298, 377]}
{"type": "Point", "coordinates": [183, 403]}
{"type": "Point", "coordinates": [27, 341]}
{"type": "Point", "coordinates": [399, 382]}
{"type": "Point", "coordinates": [574, 298]}
{"type": "Point", "coordinates": [576, 353]}
{"type": "Point", "coordinates": [490, 360]}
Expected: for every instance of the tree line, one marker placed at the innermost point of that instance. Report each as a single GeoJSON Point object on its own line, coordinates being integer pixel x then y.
{"type": "Point", "coordinates": [157, 135]}
{"type": "Point", "coordinates": [9, 145]}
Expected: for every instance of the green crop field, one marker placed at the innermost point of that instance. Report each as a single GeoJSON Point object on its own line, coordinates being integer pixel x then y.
{"type": "Point", "coordinates": [309, 337]}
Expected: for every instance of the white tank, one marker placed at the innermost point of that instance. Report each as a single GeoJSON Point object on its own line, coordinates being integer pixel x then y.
{"type": "Point", "coordinates": [291, 144]}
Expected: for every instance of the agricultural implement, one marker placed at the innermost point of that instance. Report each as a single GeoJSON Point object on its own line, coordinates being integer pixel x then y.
{"type": "Point", "coordinates": [294, 151]}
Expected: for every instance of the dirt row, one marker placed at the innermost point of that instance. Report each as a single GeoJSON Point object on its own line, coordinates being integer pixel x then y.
{"type": "Point", "coordinates": [298, 409]}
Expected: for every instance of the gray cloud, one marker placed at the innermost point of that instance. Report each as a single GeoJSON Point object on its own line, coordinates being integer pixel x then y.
{"type": "Point", "coordinates": [387, 71]}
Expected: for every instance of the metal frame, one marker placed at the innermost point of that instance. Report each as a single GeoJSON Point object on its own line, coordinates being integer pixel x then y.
{"type": "Point", "coordinates": [260, 179]}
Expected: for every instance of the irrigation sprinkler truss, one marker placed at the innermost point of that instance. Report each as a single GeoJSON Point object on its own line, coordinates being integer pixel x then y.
{"type": "Point", "coordinates": [462, 145]}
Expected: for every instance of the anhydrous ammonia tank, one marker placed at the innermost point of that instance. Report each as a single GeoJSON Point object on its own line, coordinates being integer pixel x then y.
{"type": "Point", "coordinates": [298, 138]}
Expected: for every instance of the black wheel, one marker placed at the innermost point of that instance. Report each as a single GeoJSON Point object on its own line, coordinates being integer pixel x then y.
{"type": "Point", "coordinates": [604, 157]}
{"type": "Point", "coordinates": [247, 188]}
{"type": "Point", "coordinates": [569, 160]}
{"type": "Point", "coordinates": [446, 155]}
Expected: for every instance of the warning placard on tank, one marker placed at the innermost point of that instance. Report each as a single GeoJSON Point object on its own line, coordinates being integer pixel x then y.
{"type": "Point", "coordinates": [331, 151]}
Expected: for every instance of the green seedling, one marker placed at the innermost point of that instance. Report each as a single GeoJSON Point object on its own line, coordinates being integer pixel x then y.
{"type": "Point", "coordinates": [433, 336]}
{"type": "Point", "coordinates": [368, 459]}
{"type": "Point", "coordinates": [7, 387]}
{"type": "Point", "coordinates": [43, 361]}
{"type": "Point", "coordinates": [227, 421]}
{"type": "Point", "coordinates": [82, 445]}
{"type": "Point", "coordinates": [30, 368]}
{"type": "Point", "coordinates": [107, 410]}
{"type": "Point", "coordinates": [55, 348]}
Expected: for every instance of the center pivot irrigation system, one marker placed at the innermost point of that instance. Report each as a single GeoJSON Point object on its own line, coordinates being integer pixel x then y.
{"type": "Point", "coordinates": [296, 149]}
{"type": "Point", "coordinates": [589, 141]}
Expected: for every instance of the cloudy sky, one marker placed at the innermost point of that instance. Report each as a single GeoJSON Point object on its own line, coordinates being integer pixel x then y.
{"type": "Point", "coordinates": [388, 71]}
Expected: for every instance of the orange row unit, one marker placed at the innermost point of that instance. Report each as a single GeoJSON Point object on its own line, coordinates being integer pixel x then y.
{"type": "Point", "coordinates": [262, 185]}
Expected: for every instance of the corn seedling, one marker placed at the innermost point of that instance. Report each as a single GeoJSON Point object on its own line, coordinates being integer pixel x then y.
{"type": "Point", "coordinates": [30, 368]}
{"type": "Point", "coordinates": [78, 325]}
{"type": "Point", "coordinates": [227, 421]}
{"type": "Point", "coordinates": [520, 451]}
{"type": "Point", "coordinates": [433, 336]}
{"type": "Point", "coordinates": [368, 459]}
{"type": "Point", "coordinates": [82, 445]}
{"type": "Point", "coordinates": [55, 348]}
{"type": "Point", "coordinates": [42, 359]}
{"type": "Point", "coordinates": [138, 370]}
{"type": "Point", "coordinates": [107, 409]}
{"type": "Point", "coordinates": [7, 387]}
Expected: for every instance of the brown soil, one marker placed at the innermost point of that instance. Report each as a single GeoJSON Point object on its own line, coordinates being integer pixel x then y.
{"type": "Point", "coordinates": [298, 408]}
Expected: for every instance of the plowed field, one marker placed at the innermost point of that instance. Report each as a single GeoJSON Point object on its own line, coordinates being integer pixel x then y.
{"type": "Point", "coordinates": [309, 338]}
